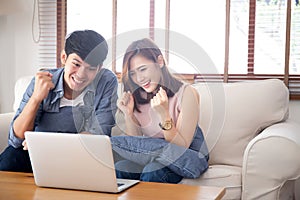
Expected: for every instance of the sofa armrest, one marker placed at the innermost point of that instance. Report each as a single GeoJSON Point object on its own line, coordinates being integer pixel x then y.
{"type": "Point", "coordinates": [270, 161]}
{"type": "Point", "coordinates": [5, 119]}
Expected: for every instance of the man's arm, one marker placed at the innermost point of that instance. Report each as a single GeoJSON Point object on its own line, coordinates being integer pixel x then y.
{"type": "Point", "coordinates": [30, 104]}
{"type": "Point", "coordinates": [25, 121]}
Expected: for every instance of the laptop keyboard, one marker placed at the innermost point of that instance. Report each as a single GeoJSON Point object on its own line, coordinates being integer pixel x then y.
{"type": "Point", "coordinates": [120, 184]}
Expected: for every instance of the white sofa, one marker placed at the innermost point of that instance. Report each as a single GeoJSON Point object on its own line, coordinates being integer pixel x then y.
{"type": "Point", "coordinates": [6, 118]}
{"type": "Point", "coordinates": [254, 147]}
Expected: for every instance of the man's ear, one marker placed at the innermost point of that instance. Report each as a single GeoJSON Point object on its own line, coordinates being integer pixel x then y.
{"type": "Point", "coordinates": [63, 57]}
{"type": "Point", "coordinates": [100, 67]}
{"type": "Point", "coordinates": [160, 60]}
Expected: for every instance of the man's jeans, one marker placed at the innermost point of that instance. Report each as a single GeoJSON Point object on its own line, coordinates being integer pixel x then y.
{"type": "Point", "coordinates": [15, 159]}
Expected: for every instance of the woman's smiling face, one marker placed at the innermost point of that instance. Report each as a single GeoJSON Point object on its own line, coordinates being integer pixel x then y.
{"type": "Point", "coordinates": [145, 73]}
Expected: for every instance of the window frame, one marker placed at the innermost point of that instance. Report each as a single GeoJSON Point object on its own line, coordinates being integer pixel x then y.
{"type": "Point", "coordinates": [290, 80]}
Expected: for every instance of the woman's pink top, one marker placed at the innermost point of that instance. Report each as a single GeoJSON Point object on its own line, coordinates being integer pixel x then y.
{"type": "Point", "coordinates": [149, 120]}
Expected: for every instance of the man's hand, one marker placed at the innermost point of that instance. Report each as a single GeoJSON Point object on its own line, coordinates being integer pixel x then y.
{"type": "Point", "coordinates": [24, 144]}
{"type": "Point", "coordinates": [43, 84]}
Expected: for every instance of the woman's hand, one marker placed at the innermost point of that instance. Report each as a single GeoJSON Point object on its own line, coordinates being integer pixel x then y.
{"type": "Point", "coordinates": [43, 84]}
{"type": "Point", "coordinates": [126, 103]}
{"type": "Point", "coordinates": [160, 103]}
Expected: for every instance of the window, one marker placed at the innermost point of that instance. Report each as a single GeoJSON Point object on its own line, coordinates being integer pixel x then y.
{"type": "Point", "coordinates": [132, 23]}
{"type": "Point", "coordinates": [270, 32]}
{"type": "Point", "coordinates": [238, 39]}
{"type": "Point", "coordinates": [202, 23]}
{"type": "Point", "coordinates": [92, 14]}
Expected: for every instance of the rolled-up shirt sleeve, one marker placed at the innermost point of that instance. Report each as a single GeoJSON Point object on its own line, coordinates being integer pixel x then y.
{"type": "Point", "coordinates": [12, 139]}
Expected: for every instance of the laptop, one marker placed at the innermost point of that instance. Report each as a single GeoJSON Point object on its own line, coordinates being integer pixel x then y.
{"type": "Point", "coordinates": [74, 161]}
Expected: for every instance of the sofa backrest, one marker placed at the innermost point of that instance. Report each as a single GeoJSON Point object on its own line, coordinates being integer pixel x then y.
{"type": "Point", "coordinates": [231, 114]}
{"type": "Point", "coordinates": [20, 87]}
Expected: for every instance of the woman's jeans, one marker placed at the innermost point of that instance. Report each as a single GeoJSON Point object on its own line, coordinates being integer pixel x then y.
{"type": "Point", "coordinates": [187, 163]}
{"type": "Point", "coordinates": [152, 172]}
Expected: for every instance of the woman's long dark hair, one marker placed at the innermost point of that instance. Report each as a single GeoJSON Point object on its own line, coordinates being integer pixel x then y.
{"type": "Point", "coordinates": [148, 49]}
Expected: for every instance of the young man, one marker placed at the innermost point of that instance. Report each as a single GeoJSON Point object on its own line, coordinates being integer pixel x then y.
{"type": "Point", "coordinates": [80, 97]}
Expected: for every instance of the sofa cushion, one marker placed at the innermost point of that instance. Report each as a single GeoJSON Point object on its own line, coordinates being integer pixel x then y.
{"type": "Point", "coordinates": [231, 114]}
{"type": "Point", "coordinates": [225, 176]}
{"type": "Point", "coordinates": [20, 87]}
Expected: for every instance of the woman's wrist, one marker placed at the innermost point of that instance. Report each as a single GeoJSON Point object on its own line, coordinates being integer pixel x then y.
{"type": "Point", "coordinates": [128, 115]}
{"type": "Point", "coordinates": [166, 125]}
{"type": "Point", "coordinates": [166, 116]}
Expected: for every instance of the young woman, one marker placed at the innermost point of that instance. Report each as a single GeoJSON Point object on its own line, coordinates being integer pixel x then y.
{"type": "Point", "coordinates": [161, 113]}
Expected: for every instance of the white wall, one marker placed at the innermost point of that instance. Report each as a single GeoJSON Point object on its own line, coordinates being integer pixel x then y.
{"type": "Point", "coordinates": [18, 52]}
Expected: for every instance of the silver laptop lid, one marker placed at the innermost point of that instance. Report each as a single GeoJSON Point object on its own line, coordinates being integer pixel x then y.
{"type": "Point", "coordinates": [72, 161]}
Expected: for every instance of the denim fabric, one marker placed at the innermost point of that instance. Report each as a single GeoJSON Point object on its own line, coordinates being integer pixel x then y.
{"type": "Point", "coordinates": [64, 121]}
{"type": "Point", "coordinates": [96, 116]}
{"type": "Point", "coordinates": [15, 160]}
{"type": "Point", "coordinates": [188, 163]}
{"type": "Point", "coordinates": [152, 172]}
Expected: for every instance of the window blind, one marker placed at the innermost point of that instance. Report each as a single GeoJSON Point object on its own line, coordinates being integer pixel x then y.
{"type": "Point", "coordinates": [269, 31]}
{"type": "Point", "coordinates": [294, 64]}
{"type": "Point", "coordinates": [52, 32]}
